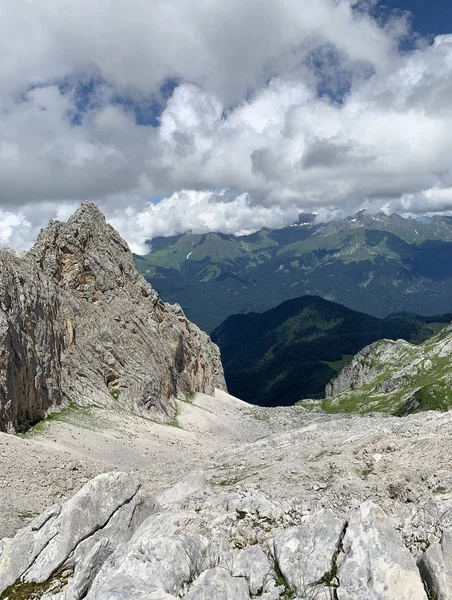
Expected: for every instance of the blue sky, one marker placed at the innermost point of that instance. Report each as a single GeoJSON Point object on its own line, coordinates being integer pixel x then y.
{"type": "Point", "coordinates": [430, 17]}
{"type": "Point", "coordinates": [226, 115]}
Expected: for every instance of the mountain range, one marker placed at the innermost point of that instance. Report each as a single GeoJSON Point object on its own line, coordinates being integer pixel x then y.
{"type": "Point", "coordinates": [292, 351]}
{"type": "Point", "coordinates": [378, 264]}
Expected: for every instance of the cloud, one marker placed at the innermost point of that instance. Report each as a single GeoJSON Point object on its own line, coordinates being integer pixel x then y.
{"type": "Point", "coordinates": [179, 114]}
{"type": "Point", "coordinates": [198, 211]}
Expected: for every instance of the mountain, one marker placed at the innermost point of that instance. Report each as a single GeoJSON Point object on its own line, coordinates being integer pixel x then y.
{"type": "Point", "coordinates": [395, 377]}
{"type": "Point", "coordinates": [379, 264]}
{"type": "Point", "coordinates": [291, 352]}
{"type": "Point", "coordinates": [79, 325]}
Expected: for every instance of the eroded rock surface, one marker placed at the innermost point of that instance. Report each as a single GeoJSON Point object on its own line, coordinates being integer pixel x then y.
{"type": "Point", "coordinates": [79, 325]}
{"type": "Point", "coordinates": [111, 541]}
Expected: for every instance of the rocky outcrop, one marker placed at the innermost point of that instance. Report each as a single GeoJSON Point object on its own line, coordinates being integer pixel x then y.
{"type": "Point", "coordinates": [396, 377]}
{"type": "Point", "coordinates": [79, 325]}
{"type": "Point", "coordinates": [74, 538]}
{"type": "Point", "coordinates": [112, 542]}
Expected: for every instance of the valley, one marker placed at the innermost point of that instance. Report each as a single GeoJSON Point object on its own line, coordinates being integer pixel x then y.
{"type": "Point", "coordinates": [292, 351]}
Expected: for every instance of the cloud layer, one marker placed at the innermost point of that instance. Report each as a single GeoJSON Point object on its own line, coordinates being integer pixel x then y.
{"type": "Point", "coordinates": [186, 114]}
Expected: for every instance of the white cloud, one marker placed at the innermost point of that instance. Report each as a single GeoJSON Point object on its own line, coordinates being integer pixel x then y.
{"type": "Point", "coordinates": [248, 116]}
{"type": "Point", "coordinates": [200, 212]}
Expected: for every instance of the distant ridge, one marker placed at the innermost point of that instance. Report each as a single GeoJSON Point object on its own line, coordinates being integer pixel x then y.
{"type": "Point", "coordinates": [292, 351]}
{"type": "Point", "coordinates": [379, 264]}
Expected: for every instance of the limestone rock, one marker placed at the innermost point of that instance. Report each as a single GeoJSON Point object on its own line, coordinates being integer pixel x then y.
{"type": "Point", "coordinates": [195, 484]}
{"type": "Point", "coordinates": [218, 584]}
{"type": "Point", "coordinates": [79, 325]}
{"type": "Point", "coordinates": [435, 567]}
{"type": "Point", "coordinates": [305, 553]}
{"type": "Point", "coordinates": [252, 564]}
{"type": "Point", "coordinates": [111, 506]}
{"type": "Point", "coordinates": [153, 563]}
{"type": "Point", "coordinates": [377, 566]}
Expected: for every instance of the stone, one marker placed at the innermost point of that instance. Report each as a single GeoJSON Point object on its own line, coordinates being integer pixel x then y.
{"type": "Point", "coordinates": [164, 563]}
{"type": "Point", "coordinates": [253, 564]}
{"type": "Point", "coordinates": [218, 584]}
{"type": "Point", "coordinates": [375, 564]}
{"type": "Point", "coordinates": [110, 506]}
{"type": "Point", "coordinates": [304, 553]}
{"type": "Point", "coordinates": [195, 484]}
{"type": "Point", "coordinates": [80, 326]}
{"type": "Point", "coordinates": [435, 566]}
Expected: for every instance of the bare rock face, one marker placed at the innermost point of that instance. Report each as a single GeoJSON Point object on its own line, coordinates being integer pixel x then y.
{"type": "Point", "coordinates": [111, 542]}
{"type": "Point", "coordinates": [79, 325]}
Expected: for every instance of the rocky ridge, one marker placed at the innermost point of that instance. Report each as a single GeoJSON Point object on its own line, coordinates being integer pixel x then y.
{"type": "Point", "coordinates": [79, 325]}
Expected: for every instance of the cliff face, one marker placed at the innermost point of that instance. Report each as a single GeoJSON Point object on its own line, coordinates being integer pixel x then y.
{"type": "Point", "coordinates": [79, 325]}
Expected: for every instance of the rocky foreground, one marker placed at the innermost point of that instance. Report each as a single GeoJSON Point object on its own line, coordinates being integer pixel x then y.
{"type": "Point", "coordinates": [280, 503]}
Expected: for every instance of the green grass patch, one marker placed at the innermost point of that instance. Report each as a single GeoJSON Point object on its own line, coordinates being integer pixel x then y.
{"type": "Point", "coordinates": [437, 327]}
{"type": "Point", "coordinates": [21, 590]}
{"type": "Point", "coordinates": [338, 365]}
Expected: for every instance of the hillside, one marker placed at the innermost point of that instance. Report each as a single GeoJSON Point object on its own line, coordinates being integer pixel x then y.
{"type": "Point", "coordinates": [376, 264]}
{"type": "Point", "coordinates": [395, 377]}
{"type": "Point", "coordinates": [292, 351]}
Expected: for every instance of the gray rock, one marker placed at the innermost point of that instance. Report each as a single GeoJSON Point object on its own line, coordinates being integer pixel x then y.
{"type": "Point", "coordinates": [126, 588]}
{"type": "Point", "coordinates": [376, 565]}
{"type": "Point", "coordinates": [195, 484]}
{"type": "Point", "coordinates": [153, 563]}
{"type": "Point", "coordinates": [435, 567]}
{"type": "Point", "coordinates": [79, 325]}
{"type": "Point", "coordinates": [252, 563]}
{"type": "Point", "coordinates": [304, 553]}
{"type": "Point", "coordinates": [109, 506]}
{"type": "Point", "coordinates": [218, 584]}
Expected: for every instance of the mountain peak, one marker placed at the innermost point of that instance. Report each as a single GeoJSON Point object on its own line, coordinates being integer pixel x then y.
{"type": "Point", "coordinates": [85, 254]}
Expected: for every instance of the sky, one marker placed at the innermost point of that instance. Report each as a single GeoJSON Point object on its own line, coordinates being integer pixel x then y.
{"type": "Point", "coordinates": [177, 115]}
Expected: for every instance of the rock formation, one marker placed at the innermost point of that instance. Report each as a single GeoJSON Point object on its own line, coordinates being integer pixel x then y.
{"type": "Point", "coordinates": [79, 325]}
{"type": "Point", "coordinates": [396, 377]}
{"type": "Point", "coordinates": [111, 542]}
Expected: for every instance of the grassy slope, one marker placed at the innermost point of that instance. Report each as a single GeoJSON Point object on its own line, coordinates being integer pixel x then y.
{"type": "Point", "coordinates": [406, 379]}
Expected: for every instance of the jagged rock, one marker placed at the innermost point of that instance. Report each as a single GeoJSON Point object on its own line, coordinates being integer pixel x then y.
{"type": "Point", "coordinates": [305, 553]}
{"type": "Point", "coordinates": [435, 567]}
{"type": "Point", "coordinates": [109, 543]}
{"type": "Point", "coordinates": [79, 324]}
{"type": "Point", "coordinates": [109, 507]}
{"type": "Point", "coordinates": [396, 377]}
{"type": "Point", "coordinates": [366, 366]}
{"type": "Point", "coordinates": [218, 584]}
{"type": "Point", "coordinates": [376, 565]}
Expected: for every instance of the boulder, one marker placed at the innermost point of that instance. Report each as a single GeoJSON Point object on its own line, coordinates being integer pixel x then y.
{"type": "Point", "coordinates": [77, 535]}
{"type": "Point", "coordinates": [218, 584]}
{"type": "Point", "coordinates": [435, 566]}
{"type": "Point", "coordinates": [304, 553]}
{"type": "Point", "coordinates": [253, 564]}
{"type": "Point", "coordinates": [375, 564]}
{"type": "Point", "coordinates": [151, 563]}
